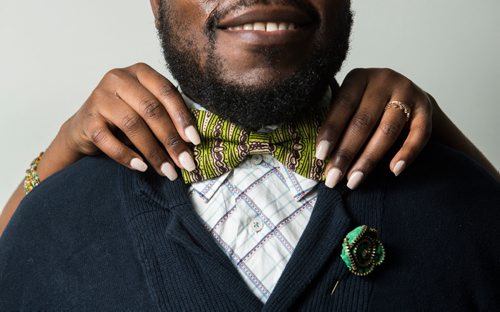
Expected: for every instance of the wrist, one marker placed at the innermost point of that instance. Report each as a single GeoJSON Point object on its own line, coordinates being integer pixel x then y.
{"type": "Point", "coordinates": [61, 152]}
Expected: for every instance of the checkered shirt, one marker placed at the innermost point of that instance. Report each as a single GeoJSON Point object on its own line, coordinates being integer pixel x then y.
{"type": "Point", "coordinates": [257, 213]}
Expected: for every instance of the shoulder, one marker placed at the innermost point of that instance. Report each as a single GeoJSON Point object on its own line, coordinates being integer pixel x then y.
{"type": "Point", "coordinates": [439, 223]}
{"type": "Point", "coordinates": [441, 173]}
{"type": "Point", "coordinates": [69, 209]}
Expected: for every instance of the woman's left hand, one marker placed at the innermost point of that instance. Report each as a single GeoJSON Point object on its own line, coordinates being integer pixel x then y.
{"type": "Point", "coordinates": [359, 131]}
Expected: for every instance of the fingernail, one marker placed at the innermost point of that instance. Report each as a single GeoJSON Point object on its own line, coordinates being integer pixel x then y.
{"type": "Point", "coordinates": [187, 161]}
{"type": "Point", "coordinates": [355, 180]}
{"type": "Point", "coordinates": [192, 135]}
{"type": "Point", "coordinates": [169, 171]}
{"type": "Point", "coordinates": [138, 165]}
{"type": "Point", "coordinates": [322, 149]}
{"type": "Point", "coordinates": [333, 177]}
{"type": "Point", "coordinates": [400, 166]}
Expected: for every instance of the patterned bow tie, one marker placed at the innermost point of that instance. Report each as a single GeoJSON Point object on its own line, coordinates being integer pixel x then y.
{"type": "Point", "coordinates": [224, 145]}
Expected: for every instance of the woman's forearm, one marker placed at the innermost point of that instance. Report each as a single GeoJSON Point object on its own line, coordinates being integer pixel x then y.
{"type": "Point", "coordinates": [58, 155]}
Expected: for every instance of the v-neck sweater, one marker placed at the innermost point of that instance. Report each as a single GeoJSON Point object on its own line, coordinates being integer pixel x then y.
{"type": "Point", "coordinates": [97, 236]}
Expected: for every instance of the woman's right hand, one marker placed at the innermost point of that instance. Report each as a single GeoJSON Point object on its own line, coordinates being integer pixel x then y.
{"type": "Point", "coordinates": [147, 109]}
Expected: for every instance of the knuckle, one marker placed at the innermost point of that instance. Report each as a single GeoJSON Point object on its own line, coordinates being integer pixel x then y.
{"type": "Point", "coordinates": [114, 74]}
{"type": "Point", "coordinates": [362, 122]}
{"type": "Point", "coordinates": [386, 74]}
{"type": "Point", "coordinates": [119, 153]}
{"type": "Point", "coordinates": [368, 163]}
{"type": "Point", "coordinates": [184, 118]}
{"type": "Point", "coordinates": [97, 135]}
{"type": "Point", "coordinates": [155, 156]}
{"type": "Point", "coordinates": [357, 72]}
{"type": "Point", "coordinates": [131, 122]}
{"type": "Point", "coordinates": [97, 96]}
{"type": "Point", "coordinates": [141, 65]}
{"type": "Point", "coordinates": [328, 131]}
{"type": "Point", "coordinates": [391, 130]}
{"type": "Point", "coordinates": [407, 86]}
{"type": "Point", "coordinates": [346, 101]}
{"type": "Point", "coordinates": [172, 141]}
{"type": "Point", "coordinates": [343, 157]}
{"type": "Point", "coordinates": [167, 90]}
{"type": "Point", "coordinates": [152, 108]}
{"type": "Point", "coordinates": [423, 130]}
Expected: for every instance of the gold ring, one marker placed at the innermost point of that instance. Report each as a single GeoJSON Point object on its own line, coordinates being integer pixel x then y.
{"type": "Point", "coordinates": [401, 106]}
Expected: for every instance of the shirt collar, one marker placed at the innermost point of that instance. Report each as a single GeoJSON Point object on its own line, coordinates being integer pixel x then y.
{"type": "Point", "coordinates": [298, 185]}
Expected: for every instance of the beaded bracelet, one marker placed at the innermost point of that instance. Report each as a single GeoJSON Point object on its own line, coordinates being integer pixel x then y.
{"type": "Point", "coordinates": [31, 179]}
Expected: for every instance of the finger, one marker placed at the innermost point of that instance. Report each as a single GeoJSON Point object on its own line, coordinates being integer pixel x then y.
{"type": "Point", "coordinates": [359, 129]}
{"type": "Point", "coordinates": [155, 116]}
{"type": "Point", "coordinates": [100, 135]}
{"type": "Point", "coordinates": [418, 136]}
{"type": "Point", "coordinates": [133, 126]}
{"type": "Point", "coordinates": [171, 99]}
{"type": "Point", "coordinates": [344, 104]}
{"type": "Point", "coordinates": [389, 129]}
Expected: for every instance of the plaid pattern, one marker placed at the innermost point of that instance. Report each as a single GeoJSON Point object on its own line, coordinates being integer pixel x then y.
{"type": "Point", "coordinates": [257, 213]}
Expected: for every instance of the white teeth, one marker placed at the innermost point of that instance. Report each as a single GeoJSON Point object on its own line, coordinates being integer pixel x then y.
{"type": "Point", "coordinates": [259, 26]}
{"type": "Point", "coordinates": [269, 27]}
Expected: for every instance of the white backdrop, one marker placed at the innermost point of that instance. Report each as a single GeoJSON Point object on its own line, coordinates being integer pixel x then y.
{"type": "Point", "coordinates": [54, 52]}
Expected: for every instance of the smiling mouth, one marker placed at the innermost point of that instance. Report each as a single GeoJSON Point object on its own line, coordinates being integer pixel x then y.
{"type": "Point", "coordinates": [265, 18]}
{"type": "Point", "coordinates": [265, 26]}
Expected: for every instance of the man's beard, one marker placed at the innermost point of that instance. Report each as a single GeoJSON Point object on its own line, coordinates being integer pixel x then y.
{"type": "Point", "coordinates": [252, 107]}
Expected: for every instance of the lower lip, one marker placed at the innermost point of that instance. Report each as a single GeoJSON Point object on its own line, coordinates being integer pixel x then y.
{"type": "Point", "coordinates": [264, 38]}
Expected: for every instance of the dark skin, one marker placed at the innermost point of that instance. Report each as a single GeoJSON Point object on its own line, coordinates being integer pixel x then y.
{"type": "Point", "coordinates": [149, 110]}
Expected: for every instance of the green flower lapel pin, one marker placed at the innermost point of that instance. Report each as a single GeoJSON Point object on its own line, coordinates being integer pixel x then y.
{"type": "Point", "coordinates": [362, 251]}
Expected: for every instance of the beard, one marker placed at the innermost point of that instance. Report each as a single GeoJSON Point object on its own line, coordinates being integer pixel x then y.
{"type": "Point", "coordinates": [253, 107]}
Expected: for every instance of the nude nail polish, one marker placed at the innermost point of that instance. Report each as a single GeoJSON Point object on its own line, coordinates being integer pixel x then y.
{"type": "Point", "coordinates": [187, 162]}
{"type": "Point", "coordinates": [355, 180]}
{"type": "Point", "coordinates": [333, 177]}
{"type": "Point", "coordinates": [322, 149]}
{"type": "Point", "coordinates": [138, 165]}
{"type": "Point", "coordinates": [169, 171]}
{"type": "Point", "coordinates": [399, 167]}
{"type": "Point", "coordinates": [193, 135]}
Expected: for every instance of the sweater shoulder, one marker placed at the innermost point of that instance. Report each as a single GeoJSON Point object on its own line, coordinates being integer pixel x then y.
{"type": "Point", "coordinates": [70, 209]}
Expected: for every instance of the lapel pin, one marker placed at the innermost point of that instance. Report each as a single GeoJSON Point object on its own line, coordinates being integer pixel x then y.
{"type": "Point", "coordinates": [362, 251]}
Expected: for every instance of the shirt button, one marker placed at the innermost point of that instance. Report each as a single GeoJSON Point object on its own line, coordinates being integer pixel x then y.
{"type": "Point", "coordinates": [257, 225]}
{"type": "Point", "coordinates": [256, 159]}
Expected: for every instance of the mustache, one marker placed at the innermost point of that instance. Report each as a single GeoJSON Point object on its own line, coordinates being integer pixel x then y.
{"type": "Point", "coordinates": [220, 11]}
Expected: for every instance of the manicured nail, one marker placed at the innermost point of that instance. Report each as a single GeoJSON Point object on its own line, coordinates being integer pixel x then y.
{"type": "Point", "coordinates": [333, 177]}
{"type": "Point", "coordinates": [192, 135]}
{"type": "Point", "coordinates": [322, 149]}
{"type": "Point", "coordinates": [169, 171]}
{"type": "Point", "coordinates": [187, 161]}
{"type": "Point", "coordinates": [138, 165]}
{"type": "Point", "coordinates": [400, 166]}
{"type": "Point", "coordinates": [355, 180]}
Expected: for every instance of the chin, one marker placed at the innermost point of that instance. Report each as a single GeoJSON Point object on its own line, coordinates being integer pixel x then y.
{"type": "Point", "coordinates": [259, 78]}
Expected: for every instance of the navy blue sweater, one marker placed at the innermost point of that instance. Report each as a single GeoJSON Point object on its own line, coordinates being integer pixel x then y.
{"type": "Point", "coordinates": [97, 236]}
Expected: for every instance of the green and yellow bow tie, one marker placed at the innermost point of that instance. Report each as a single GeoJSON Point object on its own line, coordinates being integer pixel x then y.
{"type": "Point", "coordinates": [225, 145]}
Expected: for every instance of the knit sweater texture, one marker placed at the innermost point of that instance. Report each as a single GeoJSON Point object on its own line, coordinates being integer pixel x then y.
{"type": "Point", "coordinates": [99, 237]}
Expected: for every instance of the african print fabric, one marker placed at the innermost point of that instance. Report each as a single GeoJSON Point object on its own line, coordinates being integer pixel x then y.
{"type": "Point", "coordinates": [224, 145]}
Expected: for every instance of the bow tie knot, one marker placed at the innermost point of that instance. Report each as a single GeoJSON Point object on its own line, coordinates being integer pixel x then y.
{"type": "Point", "coordinates": [259, 143]}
